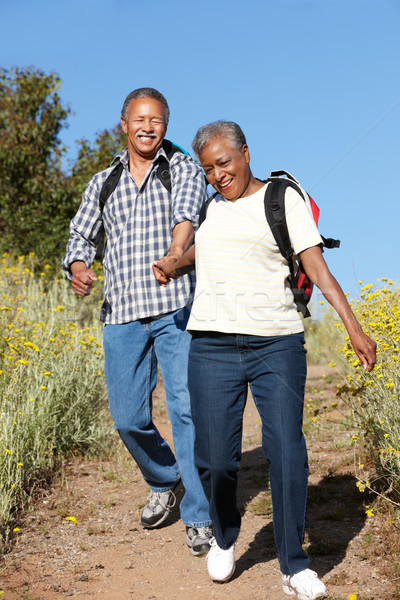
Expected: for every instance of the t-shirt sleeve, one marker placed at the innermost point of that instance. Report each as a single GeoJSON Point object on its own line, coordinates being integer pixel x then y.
{"type": "Point", "coordinates": [303, 231]}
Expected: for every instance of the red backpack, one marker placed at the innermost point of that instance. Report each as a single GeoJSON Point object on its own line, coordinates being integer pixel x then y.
{"type": "Point", "coordinates": [274, 205]}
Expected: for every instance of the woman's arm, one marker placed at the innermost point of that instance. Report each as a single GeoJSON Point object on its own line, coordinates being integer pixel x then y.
{"type": "Point", "coordinates": [317, 270]}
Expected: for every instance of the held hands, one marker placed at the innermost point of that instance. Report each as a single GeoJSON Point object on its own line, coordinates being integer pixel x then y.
{"type": "Point", "coordinates": [164, 269]}
{"type": "Point", "coordinates": [82, 281]}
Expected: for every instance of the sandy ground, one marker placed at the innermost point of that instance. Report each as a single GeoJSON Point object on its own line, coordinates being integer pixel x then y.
{"type": "Point", "coordinates": [107, 555]}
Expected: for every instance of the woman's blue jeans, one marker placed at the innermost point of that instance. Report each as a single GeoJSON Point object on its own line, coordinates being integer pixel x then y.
{"type": "Point", "coordinates": [132, 351]}
{"type": "Point", "coordinates": [220, 368]}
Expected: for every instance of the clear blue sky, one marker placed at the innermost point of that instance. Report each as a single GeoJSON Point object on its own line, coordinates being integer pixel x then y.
{"type": "Point", "coordinates": [313, 83]}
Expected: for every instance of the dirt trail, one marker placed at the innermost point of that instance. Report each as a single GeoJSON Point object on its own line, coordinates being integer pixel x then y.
{"type": "Point", "coordinates": [107, 555]}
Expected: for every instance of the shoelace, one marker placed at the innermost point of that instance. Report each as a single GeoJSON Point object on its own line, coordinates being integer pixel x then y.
{"type": "Point", "coordinates": [155, 498]}
{"type": "Point", "coordinates": [204, 532]}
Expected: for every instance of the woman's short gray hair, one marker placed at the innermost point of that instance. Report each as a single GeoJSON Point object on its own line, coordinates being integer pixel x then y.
{"type": "Point", "coordinates": [145, 92]}
{"type": "Point", "coordinates": [219, 129]}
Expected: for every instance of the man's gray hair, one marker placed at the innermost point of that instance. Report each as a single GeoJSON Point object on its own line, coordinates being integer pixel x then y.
{"type": "Point", "coordinates": [145, 92]}
{"type": "Point", "coordinates": [219, 129]}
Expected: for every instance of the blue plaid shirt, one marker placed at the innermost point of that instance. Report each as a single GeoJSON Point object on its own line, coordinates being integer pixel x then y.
{"type": "Point", "coordinates": [138, 223]}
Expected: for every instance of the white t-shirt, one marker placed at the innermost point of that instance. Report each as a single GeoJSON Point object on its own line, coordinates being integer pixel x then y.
{"type": "Point", "coordinates": [241, 274]}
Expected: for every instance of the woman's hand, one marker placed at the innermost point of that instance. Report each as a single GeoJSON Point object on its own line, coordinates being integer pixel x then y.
{"type": "Point", "coordinates": [164, 269]}
{"type": "Point", "coordinates": [364, 347]}
{"type": "Point", "coordinates": [317, 270]}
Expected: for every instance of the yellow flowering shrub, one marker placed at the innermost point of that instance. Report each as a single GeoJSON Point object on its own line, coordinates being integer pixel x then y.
{"type": "Point", "coordinates": [374, 397]}
{"type": "Point", "coordinates": [52, 387]}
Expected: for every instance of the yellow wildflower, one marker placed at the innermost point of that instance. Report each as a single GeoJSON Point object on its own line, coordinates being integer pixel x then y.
{"type": "Point", "coordinates": [73, 519]}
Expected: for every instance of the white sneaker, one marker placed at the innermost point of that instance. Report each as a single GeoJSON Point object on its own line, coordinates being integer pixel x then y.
{"type": "Point", "coordinates": [220, 563]}
{"type": "Point", "coordinates": [304, 585]}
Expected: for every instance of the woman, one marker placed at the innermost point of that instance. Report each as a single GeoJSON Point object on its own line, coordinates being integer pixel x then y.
{"type": "Point", "coordinates": [246, 330]}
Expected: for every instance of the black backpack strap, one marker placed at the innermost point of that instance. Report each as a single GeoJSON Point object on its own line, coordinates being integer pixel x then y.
{"type": "Point", "coordinates": [163, 172]}
{"type": "Point", "coordinates": [282, 173]}
{"type": "Point", "coordinates": [204, 208]}
{"type": "Point", "coordinates": [110, 184]}
{"type": "Point", "coordinates": [330, 242]}
{"type": "Point", "coordinates": [274, 206]}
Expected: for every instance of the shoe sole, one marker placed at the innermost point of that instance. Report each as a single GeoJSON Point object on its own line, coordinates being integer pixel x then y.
{"type": "Point", "coordinates": [289, 591]}
{"type": "Point", "coordinates": [200, 552]}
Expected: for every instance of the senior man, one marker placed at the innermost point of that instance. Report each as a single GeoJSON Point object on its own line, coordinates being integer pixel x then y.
{"type": "Point", "coordinates": [158, 193]}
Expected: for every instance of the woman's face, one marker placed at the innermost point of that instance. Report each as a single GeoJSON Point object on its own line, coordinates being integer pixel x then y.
{"type": "Point", "coordinates": [226, 168]}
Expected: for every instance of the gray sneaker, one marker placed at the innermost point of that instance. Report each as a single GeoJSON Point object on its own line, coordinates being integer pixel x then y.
{"type": "Point", "coordinates": [158, 507]}
{"type": "Point", "coordinates": [198, 539]}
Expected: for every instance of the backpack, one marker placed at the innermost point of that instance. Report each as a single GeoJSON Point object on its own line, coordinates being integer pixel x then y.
{"type": "Point", "coordinates": [113, 178]}
{"type": "Point", "coordinates": [274, 206]}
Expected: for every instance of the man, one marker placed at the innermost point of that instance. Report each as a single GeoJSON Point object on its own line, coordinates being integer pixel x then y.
{"type": "Point", "coordinates": [144, 322]}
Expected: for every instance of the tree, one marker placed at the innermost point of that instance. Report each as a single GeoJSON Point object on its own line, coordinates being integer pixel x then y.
{"type": "Point", "coordinates": [35, 205]}
{"type": "Point", "coordinates": [107, 145]}
{"type": "Point", "coordinates": [37, 197]}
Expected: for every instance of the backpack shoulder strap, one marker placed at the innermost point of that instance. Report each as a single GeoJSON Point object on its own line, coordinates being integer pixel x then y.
{"type": "Point", "coordinates": [330, 242]}
{"type": "Point", "coordinates": [274, 206]}
{"type": "Point", "coordinates": [110, 184]}
{"type": "Point", "coordinates": [204, 208]}
{"type": "Point", "coordinates": [163, 173]}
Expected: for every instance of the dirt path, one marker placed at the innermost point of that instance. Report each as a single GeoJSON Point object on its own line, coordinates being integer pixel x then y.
{"type": "Point", "coordinates": [107, 555]}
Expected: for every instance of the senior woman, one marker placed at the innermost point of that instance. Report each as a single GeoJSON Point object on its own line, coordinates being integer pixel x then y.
{"type": "Point", "coordinates": [246, 330]}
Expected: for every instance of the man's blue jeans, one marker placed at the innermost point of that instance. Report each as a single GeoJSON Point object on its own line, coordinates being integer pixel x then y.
{"type": "Point", "coordinates": [131, 354]}
{"type": "Point", "coordinates": [220, 368]}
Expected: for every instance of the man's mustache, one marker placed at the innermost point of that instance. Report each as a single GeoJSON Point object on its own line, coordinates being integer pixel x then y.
{"type": "Point", "coordinates": [145, 133]}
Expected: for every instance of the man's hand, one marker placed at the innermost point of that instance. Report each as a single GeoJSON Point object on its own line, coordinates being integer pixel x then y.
{"type": "Point", "coordinates": [164, 269]}
{"type": "Point", "coordinates": [82, 279]}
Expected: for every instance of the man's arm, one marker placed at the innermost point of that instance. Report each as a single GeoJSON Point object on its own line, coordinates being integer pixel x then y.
{"type": "Point", "coordinates": [182, 237]}
{"type": "Point", "coordinates": [188, 195]}
{"type": "Point", "coordinates": [165, 271]}
{"type": "Point", "coordinates": [84, 232]}
{"type": "Point", "coordinates": [317, 270]}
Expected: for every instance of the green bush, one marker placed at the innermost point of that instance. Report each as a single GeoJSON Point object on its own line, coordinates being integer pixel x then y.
{"type": "Point", "coordinates": [52, 385]}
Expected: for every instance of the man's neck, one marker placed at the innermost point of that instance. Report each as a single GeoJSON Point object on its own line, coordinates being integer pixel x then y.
{"type": "Point", "coordinates": [139, 166]}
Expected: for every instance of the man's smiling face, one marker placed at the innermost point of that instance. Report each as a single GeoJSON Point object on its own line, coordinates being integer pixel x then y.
{"type": "Point", "coordinates": [145, 127]}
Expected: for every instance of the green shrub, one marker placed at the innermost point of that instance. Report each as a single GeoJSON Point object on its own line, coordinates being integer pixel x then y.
{"type": "Point", "coordinates": [53, 398]}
